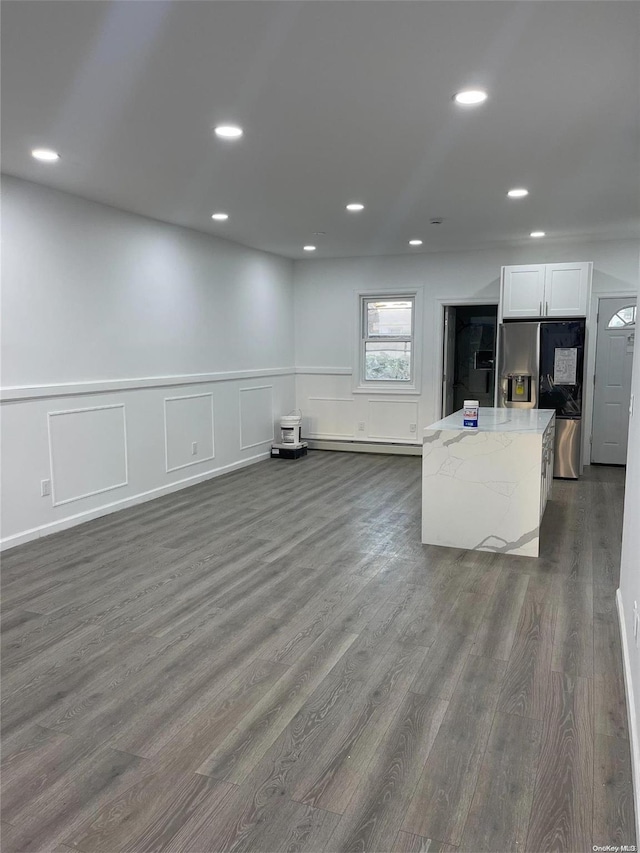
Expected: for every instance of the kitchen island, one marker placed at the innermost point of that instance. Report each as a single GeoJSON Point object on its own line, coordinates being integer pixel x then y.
{"type": "Point", "coordinates": [486, 488]}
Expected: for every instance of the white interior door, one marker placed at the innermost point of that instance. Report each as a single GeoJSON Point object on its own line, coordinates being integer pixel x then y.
{"type": "Point", "coordinates": [612, 392]}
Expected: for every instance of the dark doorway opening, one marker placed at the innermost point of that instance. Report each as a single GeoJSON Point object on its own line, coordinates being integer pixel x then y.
{"type": "Point", "coordinates": [469, 355]}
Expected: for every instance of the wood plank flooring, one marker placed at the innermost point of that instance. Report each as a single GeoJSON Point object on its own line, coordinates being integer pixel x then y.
{"type": "Point", "coordinates": [271, 661]}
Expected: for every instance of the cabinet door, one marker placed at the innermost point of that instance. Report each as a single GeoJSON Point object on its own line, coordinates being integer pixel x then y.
{"type": "Point", "coordinates": [566, 290]}
{"type": "Point", "coordinates": [523, 291]}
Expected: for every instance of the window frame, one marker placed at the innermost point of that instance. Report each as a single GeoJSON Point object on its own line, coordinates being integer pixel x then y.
{"type": "Point", "coordinates": [623, 325]}
{"type": "Point", "coordinates": [387, 386]}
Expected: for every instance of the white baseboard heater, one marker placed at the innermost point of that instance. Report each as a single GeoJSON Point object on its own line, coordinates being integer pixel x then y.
{"type": "Point", "coordinates": [398, 448]}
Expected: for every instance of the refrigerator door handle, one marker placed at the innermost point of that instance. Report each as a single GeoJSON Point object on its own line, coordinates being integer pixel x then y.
{"type": "Point", "coordinates": [535, 380]}
{"type": "Point", "coordinates": [504, 387]}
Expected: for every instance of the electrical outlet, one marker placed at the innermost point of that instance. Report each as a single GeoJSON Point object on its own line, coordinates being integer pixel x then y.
{"type": "Point", "coordinates": [361, 426]}
{"type": "Point", "coordinates": [45, 488]}
{"type": "Point", "coordinates": [194, 448]}
{"type": "Point", "coordinates": [412, 427]}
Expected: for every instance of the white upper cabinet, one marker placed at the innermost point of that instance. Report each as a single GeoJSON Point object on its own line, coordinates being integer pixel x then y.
{"type": "Point", "coordinates": [545, 290]}
{"type": "Point", "coordinates": [566, 290]}
{"type": "Point", "coordinates": [523, 291]}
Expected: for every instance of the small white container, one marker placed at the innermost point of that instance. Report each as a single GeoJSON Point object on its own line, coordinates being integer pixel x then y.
{"type": "Point", "coordinates": [470, 414]}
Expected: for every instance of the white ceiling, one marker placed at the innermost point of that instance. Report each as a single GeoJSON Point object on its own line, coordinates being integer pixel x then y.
{"type": "Point", "coordinates": [340, 101]}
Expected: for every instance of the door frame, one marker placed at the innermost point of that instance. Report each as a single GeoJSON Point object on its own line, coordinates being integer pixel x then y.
{"type": "Point", "coordinates": [448, 355]}
{"type": "Point", "coordinates": [591, 344]}
{"type": "Point", "coordinates": [438, 337]}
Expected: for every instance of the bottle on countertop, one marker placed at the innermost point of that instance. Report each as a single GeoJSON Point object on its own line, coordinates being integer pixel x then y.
{"type": "Point", "coordinates": [470, 414]}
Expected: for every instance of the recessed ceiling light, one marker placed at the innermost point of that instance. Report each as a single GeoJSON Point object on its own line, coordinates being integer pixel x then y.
{"type": "Point", "coordinates": [228, 131]}
{"type": "Point", "coordinates": [45, 155]}
{"type": "Point", "coordinates": [537, 234]}
{"type": "Point", "coordinates": [470, 97]}
{"type": "Point", "coordinates": [355, 206]}
{"type": "Point", "coordinates": [519, 192]}
{"type": "Point", "coordinates": [220, 217]}
{"type": "Point", "coordinates": [309, 248]}
{"type": "Point", "coordinates": [415, 242]}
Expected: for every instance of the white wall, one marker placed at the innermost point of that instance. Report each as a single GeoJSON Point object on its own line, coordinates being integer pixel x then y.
{"type": "Point", "coordinates": [629, 591]}
{"type": "Point", "coordinates": [324, 324]}
{"type": "Point", "coordinates": [118, 314]}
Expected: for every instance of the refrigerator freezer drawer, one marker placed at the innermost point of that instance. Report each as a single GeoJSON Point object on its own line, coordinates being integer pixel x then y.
{"type": "Point", "coordinates": [567, 452]}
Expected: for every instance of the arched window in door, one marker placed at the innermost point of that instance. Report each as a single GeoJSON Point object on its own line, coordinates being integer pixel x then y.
{"type": "Point", "coordinates": [622, 318]}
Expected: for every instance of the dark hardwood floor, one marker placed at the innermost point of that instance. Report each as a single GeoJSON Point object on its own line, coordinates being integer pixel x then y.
{"type": "Point", "coordinates": [271, 661]}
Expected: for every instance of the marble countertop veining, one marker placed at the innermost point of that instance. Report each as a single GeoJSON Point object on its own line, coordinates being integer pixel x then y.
{"type": "Point", "coordinates": [499, 420]}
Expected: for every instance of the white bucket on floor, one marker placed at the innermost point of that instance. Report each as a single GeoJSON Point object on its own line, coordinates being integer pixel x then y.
{"type": "Point", "coordinates": [290, 426]}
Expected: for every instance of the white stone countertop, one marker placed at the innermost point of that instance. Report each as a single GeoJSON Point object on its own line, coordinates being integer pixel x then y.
{"type": "Point", "coordinates": [498, 420]}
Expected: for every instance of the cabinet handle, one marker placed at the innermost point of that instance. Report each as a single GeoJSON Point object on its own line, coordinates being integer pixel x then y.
{"type": "Point", "coordinates": [546, 308]}
{"type": "Point", "coordinates": [540, 311]}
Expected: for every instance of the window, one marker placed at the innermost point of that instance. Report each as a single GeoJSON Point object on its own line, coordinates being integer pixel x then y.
{"type": "Point", "coordinates": [623, 317]}
{"type": "Point", "coordinates": [387, 332]}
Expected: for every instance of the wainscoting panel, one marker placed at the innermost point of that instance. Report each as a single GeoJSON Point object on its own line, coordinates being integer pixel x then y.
{"type": "Point", "coordinates": [87, 452]}
{"type": "Point", "coordinates": [256, 416]}
{"type": "Point", "coordinates": [392, 419]}
{"type": "Point", "coordinates": [330, 417]}
{"type": "Point", "coordinates": [188, 421]}
{"type": "Point", "coordinates": [98, 465]}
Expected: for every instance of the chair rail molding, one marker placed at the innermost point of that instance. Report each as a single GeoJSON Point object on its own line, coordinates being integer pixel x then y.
{"type": "Point", "coordinates": [21, 393]}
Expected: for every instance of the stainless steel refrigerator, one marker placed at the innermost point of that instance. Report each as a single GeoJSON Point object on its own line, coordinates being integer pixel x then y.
{"type": "Point", "coordinates": [541, 366]}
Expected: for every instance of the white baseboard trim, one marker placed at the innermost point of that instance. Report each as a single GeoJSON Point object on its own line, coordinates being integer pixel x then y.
{"type": "Point", "coordinates": [634, 733]}
{"type": "Point", "coordinates": [364, 446]}
{"type": "Point", "coordinates": [74, 520]}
